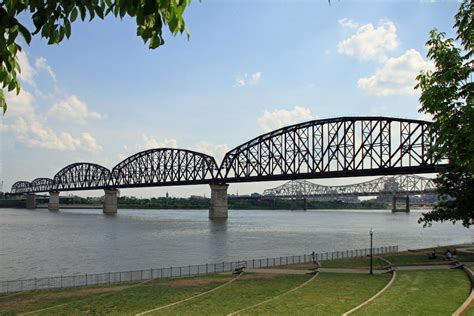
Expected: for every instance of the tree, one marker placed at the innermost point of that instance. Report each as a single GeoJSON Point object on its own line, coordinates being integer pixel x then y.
{"type": "Point", "coordinates": [447, 94]}
{"type": "Point", "coordinates": [53, 19]}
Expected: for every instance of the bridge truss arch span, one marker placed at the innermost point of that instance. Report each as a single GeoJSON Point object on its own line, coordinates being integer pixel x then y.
{"type": "Point", "coordinates": [21, 187]}
{"type": "Point", "coordinates": [328, 148]}
{"type": "Point", "coordinates": [164, 166]}
{"type": "Point", "coordinates": [81, 176]}
{"type": "Point", "coordinates": [42, 185]}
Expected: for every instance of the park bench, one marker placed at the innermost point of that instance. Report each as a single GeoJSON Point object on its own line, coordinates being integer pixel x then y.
{"type": "Point", "coordinates": [239, 269]}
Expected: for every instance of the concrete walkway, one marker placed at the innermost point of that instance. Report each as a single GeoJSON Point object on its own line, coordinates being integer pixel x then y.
{"type": "Point", "coordinates": [356, 271]}
{"type": "Point", "coordinates": [278, 271]}
{"type": "Point", "coordinates": [426, 267]}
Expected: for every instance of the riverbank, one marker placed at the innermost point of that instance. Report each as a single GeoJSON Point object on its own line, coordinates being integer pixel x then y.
{"type": "Point", "coordinates": [340, 286]}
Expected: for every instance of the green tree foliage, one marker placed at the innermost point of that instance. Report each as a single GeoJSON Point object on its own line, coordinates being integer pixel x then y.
{"type": "Point", "coordinates": [448, 96]}
{"type": "Point", "coordinates": [53, 19]}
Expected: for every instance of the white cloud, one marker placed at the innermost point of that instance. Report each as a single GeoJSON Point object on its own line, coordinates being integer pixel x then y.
{"type": "Point", "coordinates": [21, 104]}
{"type": "Point", "coordinates": [246, 80]}
{"type": "Point", "coordinates": [217, 151]}
{"type": "Point", "coordinates": [278, 118]}
{"type": "Point", "coordinates": [72, 109]}
{"type": "Point", "coordinates": [42, 63]}
{"type": "Point", "coordinates": [348, 23]}
{"type": "Point", "coordinates": [396, 76]}
{"type": "Point", "coordinates": [34, 133]}
{"type": "Point", "coordinates": [150, 142]}
{"type": "Point", "coordinates": [89, 142]}
{"type": "Point", "coordinates": [33, 130]}
{"type": "Point", "coordinates": [370, 42]}
{"type": "Point", "coordinates": [27, 72]}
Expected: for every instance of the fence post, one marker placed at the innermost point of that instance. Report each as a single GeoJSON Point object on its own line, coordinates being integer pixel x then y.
{"type": "Point", "coordinates": [207, 269]}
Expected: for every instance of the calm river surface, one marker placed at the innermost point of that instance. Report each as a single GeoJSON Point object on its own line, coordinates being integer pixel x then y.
{"type": "Point", "coordinates": [41, 243]}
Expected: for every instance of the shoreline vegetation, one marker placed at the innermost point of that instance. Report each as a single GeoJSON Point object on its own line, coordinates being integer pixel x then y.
{"type": "Point", "coordinates": [236, 204]}
{"type": "Point", "coordinates": [198, 202]}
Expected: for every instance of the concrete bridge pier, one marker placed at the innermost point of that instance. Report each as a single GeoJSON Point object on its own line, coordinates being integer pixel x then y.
{"type": "Point", "coordinates": [407, 204]}
{"type": "Point", "coordinates": [218, 207]}
{"type": "Point", "coordinates": [30, 201]}
{"type": "Point", "coordinates": [110, 201]}
{"type": "Point", "coordinates": [53, 203]}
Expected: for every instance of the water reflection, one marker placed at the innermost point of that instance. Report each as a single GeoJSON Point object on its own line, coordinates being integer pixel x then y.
{"type": "Point", "coordinates": [217, 239]}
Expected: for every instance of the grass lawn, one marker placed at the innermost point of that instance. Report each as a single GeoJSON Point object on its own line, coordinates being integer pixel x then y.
{"type": "Point", "coordinates": [422, 292]}
{"type": "Point", "coordinates": [327, 294]}
{"type": "Point", "coordinates": [353, 263]}
{"type": "Point", "coordinates": [302, 266]}
{"type": "Point", "coordinates": [115, 300]}
{"type": "Point", "coordinates": [246, 291]}
{"type": "Point", "coordinates": [421, 256]}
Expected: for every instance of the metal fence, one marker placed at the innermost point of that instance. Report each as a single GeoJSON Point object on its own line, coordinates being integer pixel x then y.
{"type": "Point", "coordinates": [183, 271]}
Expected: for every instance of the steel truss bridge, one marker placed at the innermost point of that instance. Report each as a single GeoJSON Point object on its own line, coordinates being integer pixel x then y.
{"type": "Point", "coordinates": [328, 148]}
{"type": "Point", "coordinates": [387, 185]}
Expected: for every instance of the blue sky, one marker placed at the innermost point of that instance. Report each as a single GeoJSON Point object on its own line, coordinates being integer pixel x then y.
{"type": "Point", "coordinates": [248, 67]}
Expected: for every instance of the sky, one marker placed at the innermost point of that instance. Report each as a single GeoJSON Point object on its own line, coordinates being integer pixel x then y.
{"type": "Point", "coordinates": [248, 67]}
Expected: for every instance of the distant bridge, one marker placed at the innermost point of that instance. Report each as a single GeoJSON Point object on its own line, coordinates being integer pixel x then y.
{"type": "Point", "coordinates": [388, 185]}
{"type": "Point", "coordinates": [328, 148]}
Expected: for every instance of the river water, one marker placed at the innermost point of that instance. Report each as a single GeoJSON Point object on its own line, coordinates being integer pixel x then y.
{"type": "Point", "coordinates": [37, 243]}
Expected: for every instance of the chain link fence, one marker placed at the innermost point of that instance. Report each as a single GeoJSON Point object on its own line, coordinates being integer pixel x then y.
{"type": "Point", "coordinates": [183, 271]}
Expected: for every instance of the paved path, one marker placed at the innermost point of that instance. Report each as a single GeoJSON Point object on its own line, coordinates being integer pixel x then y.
{"type": "Point", "coordinates": [426, 267]}
{"type": "Point", "coordinates": [279, 271]}
{"type": "Point", "coordinates": [357, 271]}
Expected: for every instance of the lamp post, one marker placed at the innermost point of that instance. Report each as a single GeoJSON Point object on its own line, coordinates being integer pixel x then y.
{"type": "Point", "coordinates": [371, 256]}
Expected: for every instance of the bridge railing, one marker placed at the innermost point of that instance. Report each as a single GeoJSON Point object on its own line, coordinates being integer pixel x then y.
{"type": "Point", "coordinates": [182, 271]}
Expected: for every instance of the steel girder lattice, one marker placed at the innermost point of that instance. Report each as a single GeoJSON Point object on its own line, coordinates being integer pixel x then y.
{"type": "Point", "coordinates": [164, 166]}
{"type": "Point", "coordinates": [42, 185]}
{"type": "Point", "coordinates": [388, 185]}
{"type": "Point", "coordinates": [21, 187]}
{"type": "Point", "coordinates": [340, 147]}
{"type": "Point", "coordinates": [81, 176]}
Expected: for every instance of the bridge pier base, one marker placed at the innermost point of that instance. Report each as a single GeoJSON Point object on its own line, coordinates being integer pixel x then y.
{"type": "Point", "coordinates": [30, 201]}
{"type": "Point", "coordinates": [407, 204]}
{"type": "Point", "coordinates": [110, 201]}
{"type": "Point", "coordinates": [53, 203]}
{"type": "Point", "coordinates": [218, 207]}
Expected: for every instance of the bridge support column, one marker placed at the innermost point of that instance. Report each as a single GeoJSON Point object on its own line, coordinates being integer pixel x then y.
{"type": "Point", "coordinates": [30, 201]}
{"type": "Point", "coordinates": [53, 203]}
{"type": "Point", "coordinates": [407, 204]}
{"type": "Point", "coordinates": [110, 201]}
{"type": "Point", "coordinates": [218, 207]}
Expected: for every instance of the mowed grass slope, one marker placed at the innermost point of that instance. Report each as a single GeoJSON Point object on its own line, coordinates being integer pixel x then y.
{"type": "Point", "coordinates": [327, 294]}
{"type": "Point", "coordinates": [421, 292]}
{"type": "Point", "coordinates": [246, 291]}
{"type": "Point", "coordinates": [111, 300]}
{"type": "Point", "coordinates": [354, 263]}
